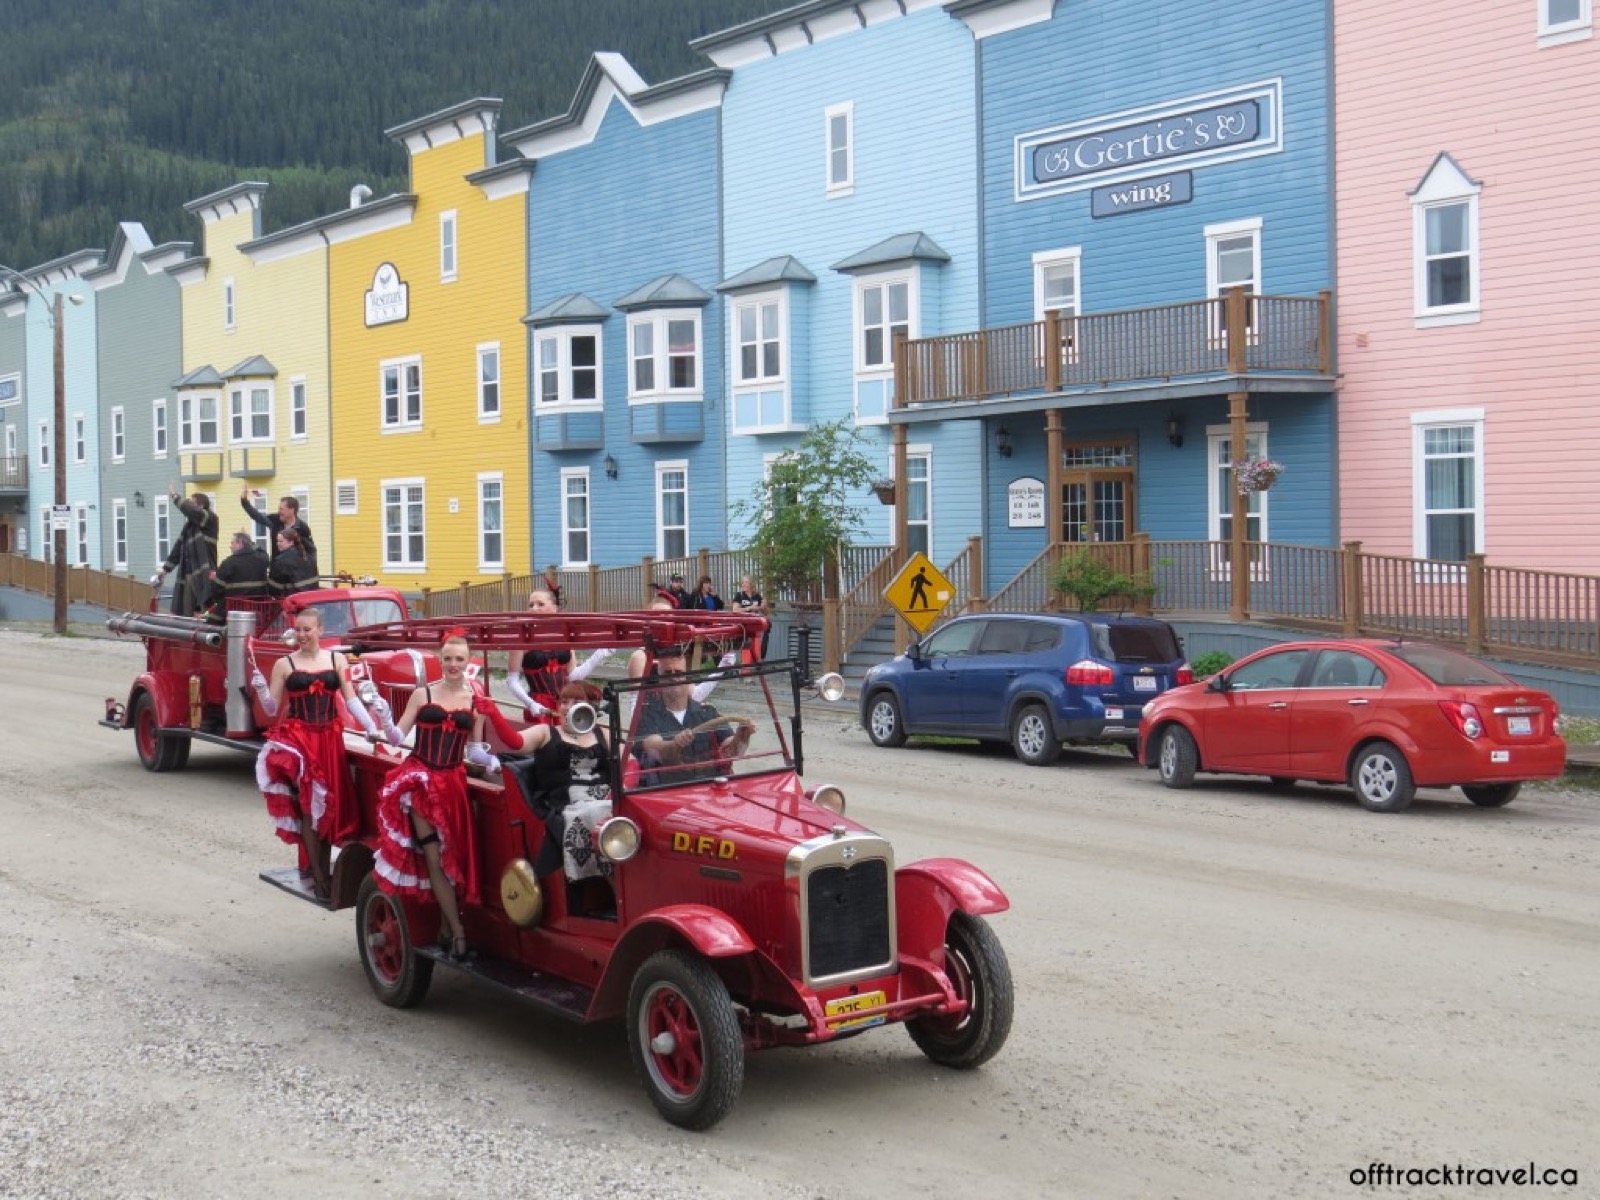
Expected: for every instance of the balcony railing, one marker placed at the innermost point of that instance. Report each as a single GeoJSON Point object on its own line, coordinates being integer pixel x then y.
{"type": "Point", "coordinates": [1232, 335]}
{"type": "Point", "coordinates": [13, 473]}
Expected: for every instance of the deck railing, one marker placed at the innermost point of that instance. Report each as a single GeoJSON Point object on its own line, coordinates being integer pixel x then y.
{"type": "Point", "coordinates": [121, 593]}
{"type": "Point", "coordinates": [13, 473]}
{"type": "Point", "coordinates": [1276, 333]}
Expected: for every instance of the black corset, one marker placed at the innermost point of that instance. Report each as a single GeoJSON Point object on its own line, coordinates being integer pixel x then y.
{"type": "Point", "coordinates": [312, 697]}
{"type": "Point", "coordinates": [441, 737]}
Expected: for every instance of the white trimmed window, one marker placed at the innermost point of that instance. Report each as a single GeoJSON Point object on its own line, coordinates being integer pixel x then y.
{"type": "Point", "coordinates": [491, 521]}
{"type": "Point", "coordinates": [345, 494]}
{"type": "Point", "coordinates": [664, 355]}
{"type": "Point", "coordinates": [198, 427]}
{"type": "Point", "coordinates": [47, 537]}
{"type": "Point", "coordinates": [250, 413]}
{"type": "Point", "coordinates": [119, 535]}
{"type": "Point", "coordinates": [405, 540]}
{"type": "Point", "coordinates": [1233, 259]}
{"type": "Point", "coordinates": [575, 516]}
{"type": "Point", "coordinates": [1219, 483]}
{"type": "Point", "coordinates": [760, 363]}
{"type": "Point", "coordinates": [885, 309]}
{"type": "Point", "coordinates": [919, 497]}
{"type": "Point", "coordinates": [163, 528]}
{"type": "Point", "coordinates": [1058, 288]}
{"type": "Point", "coordinates": [297, 409]}
{"type": "Point", "coordinates": [1562, 21]}
{"type": "Point", "coordinates": [840, 127]}
{"type": "Point", "coordinates": [400, 383]}
{"type": "Point", "coordinates": [229, 311]}
{"type": "Point", "coordinates": [119, 435]}
{"type": "Point", "coordinates": [1447, 483]}
{"type": "Point", "coordinates": [80, 440]}
{"type": "Point", "coordinates": [10, 389]}
{"type": "Point", "coordinates": [447, 246]}
{"type": "Point", "coordinates": [260, 536]}
{"type": "Point", "coordinates": [1444, 231]}
{"type": "Point", "coordinates": [489, 383]}
{"type": "Point", "coordinates": [158, 428]}
{"type": "Point", "coordinates": [568, 368]}
{"type": "Point", "coordinates": [11, 463]}
{"type": "Point", "coordinates": [44, 445]}
{"type": "Point", "coordinates": [672, 510]}
{"type": "Point", "coordinates": [80, 525]}
{"type": "Point", "coordinates": [303, 495]}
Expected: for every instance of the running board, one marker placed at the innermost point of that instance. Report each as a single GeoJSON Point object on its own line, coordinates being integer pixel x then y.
{"type": "Point", "coordinates": [297, 883]}
{"type": "Point", "coordinates": [548, 992]}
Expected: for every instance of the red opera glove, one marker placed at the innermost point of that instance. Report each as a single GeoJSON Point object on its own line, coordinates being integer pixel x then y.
{"type": "Point", "coordinates": [508, 733]}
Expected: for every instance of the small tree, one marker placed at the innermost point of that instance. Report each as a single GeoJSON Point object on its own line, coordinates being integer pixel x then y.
{"type": "Point", "coordinates": [805, 506]}
{"type": "Point", "coordinates": [1089, 579]}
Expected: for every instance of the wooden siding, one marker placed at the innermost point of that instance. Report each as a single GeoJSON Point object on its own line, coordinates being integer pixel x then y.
{"type": "Point", "coordinates": [1472, 82]}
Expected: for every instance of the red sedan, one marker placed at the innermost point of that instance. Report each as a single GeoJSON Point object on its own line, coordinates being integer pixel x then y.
{"type": "Point", "coordinates": [1386, 717]}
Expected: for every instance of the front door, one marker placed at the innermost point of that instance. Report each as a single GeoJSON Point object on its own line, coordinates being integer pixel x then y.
{"type": "Point", "coordinates": [1097, 501]}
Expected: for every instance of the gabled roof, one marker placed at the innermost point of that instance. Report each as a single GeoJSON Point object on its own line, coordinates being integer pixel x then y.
{"type": "Point", "coordinates": [573, 308]}
{"type": "Point", "coordinates": [666, 291]}
{"type": "Point", "coordinates": [785, 268]}
{"type": "Point", "coordinates": [902, 247]}
{"type": "Point", "coordinates": [205, 376]}
{"type": "Point", "coordinates": [482, 111]}
{"type": "Point", "coordinates": [254, 367]}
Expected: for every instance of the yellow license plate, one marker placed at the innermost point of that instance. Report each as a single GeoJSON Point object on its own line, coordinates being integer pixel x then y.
{"type": "Point", "coordinates": [850, 1004]}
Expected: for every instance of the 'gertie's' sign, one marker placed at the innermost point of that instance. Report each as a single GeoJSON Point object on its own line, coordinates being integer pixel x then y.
{"type": "Point", "coordinates": [1197, 131]}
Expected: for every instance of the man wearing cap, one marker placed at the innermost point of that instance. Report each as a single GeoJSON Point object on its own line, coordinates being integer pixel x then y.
{"type": "Point", "coordinates": [675, 589]}
{"type": "Point", "coordinates": [687, 737]}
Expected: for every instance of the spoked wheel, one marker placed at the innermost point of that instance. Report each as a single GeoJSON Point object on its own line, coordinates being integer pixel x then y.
{"type": "Point", "coordinates": [685, 1039]}
{"type": "Point", "coordinates": [1381, 778]}
{"type": "Point", "coordinates": [884, 725]}
{"type": "Point", "coordinates": [976, 964]}
{"type": "Point", "coordinates": [1033, 737]}
{"type": "Point", "coordinates": [1178, 757]}
{"type": "Point", "coordinates": [397, 973]}
{"type": "Point", "coordinates": [157, 751]}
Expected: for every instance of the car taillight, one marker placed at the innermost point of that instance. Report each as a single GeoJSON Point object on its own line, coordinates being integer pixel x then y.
{"type": "Point", "coordinates": [1086, 672]}
{"type": "Point", "coordinates": [1463, 716]}
{"type": "Point", "coordinates": [1185, 674]}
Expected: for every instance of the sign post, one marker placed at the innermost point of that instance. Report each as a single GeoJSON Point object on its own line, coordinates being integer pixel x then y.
{"type": "Point", "coordinates": [919, 593]}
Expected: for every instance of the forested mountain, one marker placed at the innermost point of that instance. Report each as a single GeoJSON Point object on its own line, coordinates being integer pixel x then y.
{"type": "Point", "coordinates": [114, 110]}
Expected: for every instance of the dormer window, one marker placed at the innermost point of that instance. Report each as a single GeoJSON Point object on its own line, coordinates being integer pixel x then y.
{"type": "Point", "coordinates": [1444, 211]}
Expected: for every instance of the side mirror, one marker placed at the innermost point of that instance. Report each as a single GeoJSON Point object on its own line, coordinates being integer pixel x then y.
{"type": "Point", "coordinates": [1217, 683]}
{"type": "Point", "coordinates": [914, 652]}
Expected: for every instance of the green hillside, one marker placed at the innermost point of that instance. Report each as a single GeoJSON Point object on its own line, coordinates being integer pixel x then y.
{"type": "Point", "coordinates": [116, 110]}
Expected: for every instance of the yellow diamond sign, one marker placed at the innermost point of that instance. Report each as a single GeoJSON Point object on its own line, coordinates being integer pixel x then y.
{"type": "Point", "coordinates": [919, 593]}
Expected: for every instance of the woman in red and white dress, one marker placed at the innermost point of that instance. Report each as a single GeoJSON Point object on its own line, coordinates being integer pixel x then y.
{"type": "Point", "coordinates": [426, 842]}
{"type": "Point", "coordinates": [301, 769]}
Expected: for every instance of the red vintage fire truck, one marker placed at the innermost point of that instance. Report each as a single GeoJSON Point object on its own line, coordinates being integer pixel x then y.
{"type": "Point", "coordinates": [738, 909]}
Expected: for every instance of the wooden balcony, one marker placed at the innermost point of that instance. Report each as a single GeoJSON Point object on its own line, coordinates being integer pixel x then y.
{"type": "Point", "coordinates": [1234, 335]}
{"type": "Point", "coordinates": [13, 473]}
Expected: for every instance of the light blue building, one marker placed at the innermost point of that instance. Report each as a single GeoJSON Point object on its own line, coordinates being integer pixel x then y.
{"type": "Point", "coordinates": [626, 343]}
{"type": "Point", "coordinates": [1138, 160]}
{"type": "Point", "coordinates": [850, 211]}
{"type": "Point", "coordinates": [30, 425]}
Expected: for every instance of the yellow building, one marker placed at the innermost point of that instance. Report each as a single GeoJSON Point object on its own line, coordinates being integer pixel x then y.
{"type": "Point", "coordinates": [429, 362]}
{"type": "Point", "coordinates": [252, 407]}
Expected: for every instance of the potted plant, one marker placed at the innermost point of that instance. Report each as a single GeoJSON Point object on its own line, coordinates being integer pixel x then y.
{"type": "Point", "coordinates": [1256, 474]}
{"type": "Point", "coordinates": [883, 489]}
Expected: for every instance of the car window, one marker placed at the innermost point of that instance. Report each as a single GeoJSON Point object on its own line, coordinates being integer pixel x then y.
{"type": "Point", "coordinates": [1277, 670]}
{"type": "Point", "coordinates": [1155, 642]}
{"type": "Point", "coordinates": [1345, 668]}
{"type": "Point", "coordinates": [1004, 637]}
{"type": "Point", "coordinates": [1042, 636]}
{"type": "Point", "coordinates": [953, 640]}
{"type": "Point", "coordinates": [1448, 668]}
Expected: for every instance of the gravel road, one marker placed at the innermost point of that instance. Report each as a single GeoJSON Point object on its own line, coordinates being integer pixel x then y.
{"type": "Point", "coordinates": [1224, 992]}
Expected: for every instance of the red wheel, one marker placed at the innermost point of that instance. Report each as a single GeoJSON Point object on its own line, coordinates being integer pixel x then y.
{"type": "Point", "coordinates": [398, 975]}
{"type": "Point", "coordinates": [685, 1039]}
{"type": "Point", "coordinates": [157, 751]}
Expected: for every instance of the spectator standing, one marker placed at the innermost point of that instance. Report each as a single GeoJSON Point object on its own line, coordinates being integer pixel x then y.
{"type": "Point", "coordinates": [748, 600]}
{"type": "Point", "coordinates": [675, 589]}
{"type": "Point", "coordinates": [287, 517]}
{"type": "Point", "coordinates": [704, 596]}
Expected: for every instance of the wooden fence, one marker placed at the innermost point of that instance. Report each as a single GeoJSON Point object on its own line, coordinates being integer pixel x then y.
{"type": "Point", "coordinates": [85, 585]}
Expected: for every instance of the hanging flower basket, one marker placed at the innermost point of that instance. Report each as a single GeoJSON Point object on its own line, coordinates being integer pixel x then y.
{"type": "Point", "coordinates": [1256, 474]}
{"type": "Point", "coordinates": [883, 489]}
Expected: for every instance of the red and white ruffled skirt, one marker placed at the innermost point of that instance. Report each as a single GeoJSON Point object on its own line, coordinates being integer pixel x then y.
{"type": "Point", "coordinates": [303, 767]}
{"type": "Point", "coordinates": [439, 797]}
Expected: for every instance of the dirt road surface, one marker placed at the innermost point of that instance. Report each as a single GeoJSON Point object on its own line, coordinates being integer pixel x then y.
{"type": "Point", "coordinates": [1225, 992]}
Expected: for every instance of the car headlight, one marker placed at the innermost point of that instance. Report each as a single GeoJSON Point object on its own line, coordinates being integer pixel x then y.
{"type": "Point", "coordinates": [618, 839]}
{"type": "Point", "coordinates": [826, 795]}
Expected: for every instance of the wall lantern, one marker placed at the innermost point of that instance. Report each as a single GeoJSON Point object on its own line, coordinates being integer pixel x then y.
{"type": "Point", "coordinates": [138, 499]}
{"type": "Point", "coordinates": [611, 467]}
{"type": "Point", "coordinates": [1002, 442]}
{"type": "Point", "coordinates": [1175, 429]}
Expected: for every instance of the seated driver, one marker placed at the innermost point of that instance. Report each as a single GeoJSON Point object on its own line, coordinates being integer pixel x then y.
{"type": "Point", "coordinates": [686, 735]}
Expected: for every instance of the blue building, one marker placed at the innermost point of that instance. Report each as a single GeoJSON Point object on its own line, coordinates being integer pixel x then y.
{"type": "Point", "coordinates": [626, 338]}
{"type": "Point", "coordinates": [850, 220]}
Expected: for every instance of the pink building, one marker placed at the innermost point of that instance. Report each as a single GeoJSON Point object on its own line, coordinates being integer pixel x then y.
{"type": "Point", "coordinates": [1468, 236]}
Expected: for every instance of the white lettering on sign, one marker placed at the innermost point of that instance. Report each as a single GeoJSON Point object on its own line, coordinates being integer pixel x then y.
{"type": "Point", "coordinates": [1026, 503]}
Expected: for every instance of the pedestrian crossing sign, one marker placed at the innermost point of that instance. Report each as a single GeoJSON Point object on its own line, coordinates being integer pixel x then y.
{"type": "Point", "coordinates": [919, 593]}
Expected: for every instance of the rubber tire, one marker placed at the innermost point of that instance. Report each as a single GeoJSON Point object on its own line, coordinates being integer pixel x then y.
{"type": "Point", "coordinates": [1177, 757]}
{"type": "Point", "coordinates": [1492, 795]}
{"type": "Point", "coordinates": [885, 726]}
{"type": "Point", "coordinates": [1032, 727]}
{"type": "Point", "coordinates": [677, 977]}
{"type": "Point", "coordinates": [157, 751]}
{"type": "Point", "coordinates": [1389, 785]}
{"type": "Point", "coordinates": [405, 985]}
{"type": "Point", "coordinates": [977, 965]}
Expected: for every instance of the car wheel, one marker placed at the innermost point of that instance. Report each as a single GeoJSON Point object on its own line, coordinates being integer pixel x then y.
{"type": "Point", "coordinates": [1179, 757]}
{"type": "Point", "coordinates": [1382, 779]}
{"type": "Point", "coordinates": [976, 964]}
{"type": "Point", "coordinates": [884, 725]}
{"type": "Point", "coordinates": [158, 751]}
{"type": "Point", "coordinates": [1033, 737]}
{"type": "Point", "coordinates": [685, 1039]}
{"type": "Point", "coordinates": [398, 974]}
{"type": "Point", "coordinates": [1492, 795]}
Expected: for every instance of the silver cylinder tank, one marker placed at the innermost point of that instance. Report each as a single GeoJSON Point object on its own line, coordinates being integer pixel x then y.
{"type": "Point", "coordinates": [241, 716]}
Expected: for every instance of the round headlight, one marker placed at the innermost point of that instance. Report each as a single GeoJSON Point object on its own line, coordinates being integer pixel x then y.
{"type": "Point", "coordinates": [831, 687]}
{"type": "Point", "coordinates": [618, 839]}
{"type": "Point", "coordinates": [827, 796]}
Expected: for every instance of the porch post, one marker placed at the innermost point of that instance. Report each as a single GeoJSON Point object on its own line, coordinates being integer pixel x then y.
{"type": "Point", "coordinates": [975, 584]}
{"type": "Point", "coordinates": [1476, 603]}
{"type": "Point", "coordinates": [594, 588]}
{"type": "Point", "coordinates": [1353, 601]}
{"type": "Point", "coordinates": [1052, 350]}
{"type": "Point", "coordinates": [1238, 556]}
{"type": "Point", "coordinates": [1143, 603]}
{"type": "Point", "coordinates": [1053, 445]}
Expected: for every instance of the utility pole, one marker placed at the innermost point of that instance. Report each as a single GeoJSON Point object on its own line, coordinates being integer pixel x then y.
{"type": "Point", "coordinates": [59, 320]}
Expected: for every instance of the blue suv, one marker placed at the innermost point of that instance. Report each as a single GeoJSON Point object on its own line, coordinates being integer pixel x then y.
{"type": "Point", "coordinates": [1034, 680]}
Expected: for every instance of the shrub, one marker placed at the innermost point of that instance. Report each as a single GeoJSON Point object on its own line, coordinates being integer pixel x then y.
{"type": "Point", "coordinates": [1088, 579]}
{"type": "Point", "coordinates": [1210, 663]}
